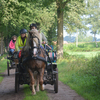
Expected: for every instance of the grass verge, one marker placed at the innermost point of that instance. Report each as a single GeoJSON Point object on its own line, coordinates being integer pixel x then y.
{"type": "Point", "coordinates": [41, 95]}
{"type": "Point", "coordinates": [3, 66]}
{"type": "Point", "coordinates": [78, 73]}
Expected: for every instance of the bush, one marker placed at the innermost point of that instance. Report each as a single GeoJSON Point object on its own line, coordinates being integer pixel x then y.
{"type": "Point", "coordinates": [65, 54]}
{"type": "Point", "coordinates": [94, 67]}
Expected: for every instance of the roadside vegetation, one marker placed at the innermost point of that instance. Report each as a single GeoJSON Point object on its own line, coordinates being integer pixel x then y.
{"type": "Point", "coordinates": [83, 47]}
{"type": "Point", "coordinates": [81, 73]}
{"type": "Point", "coordinates": [41, 95]}
{"type": "Point", "coordinates": [3, 66]}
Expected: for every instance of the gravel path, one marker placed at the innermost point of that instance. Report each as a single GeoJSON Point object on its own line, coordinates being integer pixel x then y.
{"type": "Point", "coordinates": [64, 93]}
{"type": "Point", "coordinates": [7, 90]}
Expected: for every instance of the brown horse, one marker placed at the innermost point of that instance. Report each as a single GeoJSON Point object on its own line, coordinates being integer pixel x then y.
{"type": "Point", "coordinates": [34, 60]}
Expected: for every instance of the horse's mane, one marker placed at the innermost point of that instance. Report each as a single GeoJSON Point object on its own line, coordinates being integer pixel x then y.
{"type": "Point", "coordinates": [35, 33]}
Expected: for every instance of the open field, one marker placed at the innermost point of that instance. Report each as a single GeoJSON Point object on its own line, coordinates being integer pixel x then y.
{"type": "Point", "coordinates": [85, 54]}
{"type": "Point", "coordinates": [83, 47]}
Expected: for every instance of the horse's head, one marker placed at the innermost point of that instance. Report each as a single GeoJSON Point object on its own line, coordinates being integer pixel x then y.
{"type": "Point", "coordinates": [34, 40]}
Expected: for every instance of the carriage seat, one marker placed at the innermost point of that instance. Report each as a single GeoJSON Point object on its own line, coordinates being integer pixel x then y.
{"type": "Point", "coordinates": [52, 56]}
{"type": "Point", "coordinates": [12, 56]}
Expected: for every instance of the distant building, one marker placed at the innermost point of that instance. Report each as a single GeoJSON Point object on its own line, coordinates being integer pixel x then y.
{"type": "Point", "coordinates": [55, 42]}
{"type": "Point", "coordinates": [65, 42]}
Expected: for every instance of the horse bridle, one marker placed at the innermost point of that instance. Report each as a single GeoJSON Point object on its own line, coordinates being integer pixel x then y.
{"type": "Point", "coordinates": [33, 47]}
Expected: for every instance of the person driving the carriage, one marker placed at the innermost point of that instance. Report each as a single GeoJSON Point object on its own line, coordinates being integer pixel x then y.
{"type": "Point", "coordinates": [21, 41]}
{"type": "Point", "coordinates": [12, 44]}
{"type": "Point", "coordinates": [43, 43]}
{"type": "Point", "coordinates": [43, 39]}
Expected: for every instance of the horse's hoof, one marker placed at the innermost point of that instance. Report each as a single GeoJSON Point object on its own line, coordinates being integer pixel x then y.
{"type": "Point", "coordinates": [42, 87]}
{"type": "Point", "coordinates": [37, 90]}
{"type": "Point", "coordinates": [34, 93]}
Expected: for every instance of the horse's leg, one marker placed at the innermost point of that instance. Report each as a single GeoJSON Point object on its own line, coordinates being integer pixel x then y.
{"type": "Point", "coordinates": [37, 83]}
{"type": "Point", "coordinates": [32, 81]}
{"type": "Point", "coordinates": [41, 79]}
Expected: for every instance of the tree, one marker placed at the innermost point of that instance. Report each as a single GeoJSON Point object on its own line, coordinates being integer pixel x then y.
{"type": "Point", "coordinates": [52, 34]}
{"type": "Point", "coordinates": [17, 14]}
{"type": "Point", "coordinates": [93, 16]}
{"type": "Point", "coordinates": [62, 6]}
{"type": "Point", "coordinates": [22, 12]}
{"type": "Point", "coordinates": [84, 38]}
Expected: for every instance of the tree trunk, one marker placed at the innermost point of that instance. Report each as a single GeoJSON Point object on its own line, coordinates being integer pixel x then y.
{"type": "Point", "coordinates": [59, 33]}
{"type": "Point", "coordinates": [95, 40]}
{"type": "Point", "coordinates": [2, 46]}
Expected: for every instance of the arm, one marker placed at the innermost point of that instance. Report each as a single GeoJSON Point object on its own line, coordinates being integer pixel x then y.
{"type": "Point", "coordinates": [44, 38]}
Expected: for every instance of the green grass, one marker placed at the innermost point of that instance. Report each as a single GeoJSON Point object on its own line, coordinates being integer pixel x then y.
{"type": "Point", "coordinates": [2, 57]}
{"type": "Point", "coordinates": [85, 54]}
{"type": "Point", "coordinates": [3, 66]}
{"type": "Point", "coordinates": [82, 75]}
{"type": "Point", "coordinates": [82, 47]}
{"type": "Point", "coordinates": [41, 95]}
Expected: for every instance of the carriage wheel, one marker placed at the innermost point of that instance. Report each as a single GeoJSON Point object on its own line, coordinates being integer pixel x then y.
{"type": "Point", "coordinates": [16, 81]}
{"type": "Point", "coordinates": [8, 67]}
{"type": "Point", "coordinates": [56, 82]}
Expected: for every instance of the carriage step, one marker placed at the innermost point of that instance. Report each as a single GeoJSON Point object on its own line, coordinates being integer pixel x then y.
{"type": "Point", "coordinates": [16, 72]}
{"type": "Point", "coordinates": [48, 82]}
{"type": "Point", "coordinates": [55, 72]}
{"type": "Point", "coordinates": [52, 63]}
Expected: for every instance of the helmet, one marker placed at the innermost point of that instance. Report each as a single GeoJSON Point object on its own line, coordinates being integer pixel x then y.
{"type": "Point", "coordinates": [33, 25]}
{"type": "Point", "coordinates": [22, 31]}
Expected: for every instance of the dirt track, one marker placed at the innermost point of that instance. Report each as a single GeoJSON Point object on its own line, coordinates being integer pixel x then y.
{"type": "Point", "coordinates": [7, 90]}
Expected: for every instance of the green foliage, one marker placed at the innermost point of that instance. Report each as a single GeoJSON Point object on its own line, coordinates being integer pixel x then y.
{"type": "Point", "coordinates": [65, 54]}
{"type": "Point", "coordinates": [52, 34]}
{"type": "Point", "coordinates": [89, 46]}
{"type": "Point", "coordinates": [83, 38]}
{"type": "Point", "coordinates": [20, 14]}
{"type": "Point", "coordinates": [82, 75]}
{"type": "Point", "coordinates": [72, 16]}
{"type": "Point", "coordinates": [94, 67]}
{"type": "Point", "coordinates": [93, 15]}
{"type": "Point", "coordinates": [3, 66]}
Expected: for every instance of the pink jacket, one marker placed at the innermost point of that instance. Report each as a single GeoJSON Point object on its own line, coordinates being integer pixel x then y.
{"type": "Point", "coordinates": [12, 45]}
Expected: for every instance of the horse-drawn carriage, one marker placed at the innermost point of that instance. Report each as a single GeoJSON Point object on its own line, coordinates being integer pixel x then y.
{"type": "Point", "coordinates": [10, 62]}
{"type": "Point", "coordinates": [36, 68]}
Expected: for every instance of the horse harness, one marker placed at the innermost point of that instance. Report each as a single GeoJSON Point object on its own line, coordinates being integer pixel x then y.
{"type": "Point", "coordinates": [31, 56]}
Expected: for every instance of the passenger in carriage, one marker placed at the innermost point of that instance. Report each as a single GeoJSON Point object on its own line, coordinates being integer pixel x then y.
{"type": "Point", "coordinates": [12, 44]}
{"type": "Point", "coordinates": [43, 39]}
{"type": "Point", "coordinates": [21, 41]}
